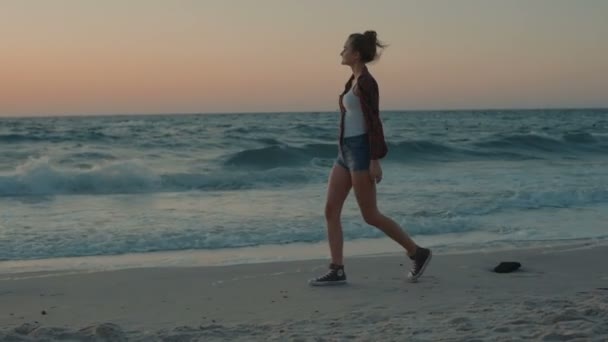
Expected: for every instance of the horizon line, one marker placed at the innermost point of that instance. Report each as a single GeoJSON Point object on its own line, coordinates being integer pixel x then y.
{"type": "Point", "coordinates": [294, 112]}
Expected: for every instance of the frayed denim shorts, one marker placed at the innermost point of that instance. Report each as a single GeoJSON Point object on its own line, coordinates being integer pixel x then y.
{"type": "Point", "coordinates": [353, 153]}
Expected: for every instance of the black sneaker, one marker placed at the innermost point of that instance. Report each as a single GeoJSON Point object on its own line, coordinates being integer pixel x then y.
{"type": "Point", "coordinates": [335, 276]}
{"type": "Point", "coordinates": [421, 260]}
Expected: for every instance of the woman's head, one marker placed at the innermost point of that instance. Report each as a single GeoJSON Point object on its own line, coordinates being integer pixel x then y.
{"type": "Point", "coordinates": [361, 48]}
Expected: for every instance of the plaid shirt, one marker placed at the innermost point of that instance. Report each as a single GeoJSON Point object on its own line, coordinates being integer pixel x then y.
{"type": "Point", "coordinates": [369, 96]}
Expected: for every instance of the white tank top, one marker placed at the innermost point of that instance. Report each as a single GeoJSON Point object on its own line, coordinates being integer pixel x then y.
{"type": "Point", "coordinates": [354, 119]}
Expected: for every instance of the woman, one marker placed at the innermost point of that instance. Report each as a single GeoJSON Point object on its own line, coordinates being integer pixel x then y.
{"type": "Point", "coordinates": [361, 146]}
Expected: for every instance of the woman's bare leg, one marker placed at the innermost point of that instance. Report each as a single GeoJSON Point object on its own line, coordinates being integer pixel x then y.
{"type": "Point", "coordinates": [365, 191]}
{"type": "Point", "coordinates": [337, 190]}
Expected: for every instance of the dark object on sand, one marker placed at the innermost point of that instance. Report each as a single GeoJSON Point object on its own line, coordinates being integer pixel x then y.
{"type": "Point", "coordinates": [507, 267]}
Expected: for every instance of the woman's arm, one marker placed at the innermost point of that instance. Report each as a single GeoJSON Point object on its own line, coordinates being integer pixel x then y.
{"type": "Point", "coordinates": [369, 96]}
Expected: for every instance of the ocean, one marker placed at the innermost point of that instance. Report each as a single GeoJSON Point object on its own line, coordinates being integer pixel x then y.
{"type": "Point", "coordinates": [126, 185]}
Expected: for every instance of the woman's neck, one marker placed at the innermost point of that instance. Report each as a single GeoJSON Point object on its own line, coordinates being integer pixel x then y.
{"type": "Point", "coordinates": [358, 69]}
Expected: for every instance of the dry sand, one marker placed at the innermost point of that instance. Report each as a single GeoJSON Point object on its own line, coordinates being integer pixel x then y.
{"type": "Point", "coordinates": [560, 294]}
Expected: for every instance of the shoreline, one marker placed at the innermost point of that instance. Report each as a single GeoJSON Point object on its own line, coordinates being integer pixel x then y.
{"type": "Point", "coordinates": [455, 244]}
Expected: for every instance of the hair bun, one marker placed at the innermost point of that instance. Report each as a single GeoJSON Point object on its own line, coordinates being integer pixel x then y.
{"type": "Point", "coordinates": [371, 35]}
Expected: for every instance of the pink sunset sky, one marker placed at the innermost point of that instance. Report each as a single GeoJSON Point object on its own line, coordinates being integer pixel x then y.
{"type": "Point", "coordinates": [81, 57]}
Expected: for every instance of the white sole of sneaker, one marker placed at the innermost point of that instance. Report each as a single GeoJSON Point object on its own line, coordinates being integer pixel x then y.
{"type": "Point", "coordinates": [326, 283]}
{"type": "Point", "coordinates": [413, 278]}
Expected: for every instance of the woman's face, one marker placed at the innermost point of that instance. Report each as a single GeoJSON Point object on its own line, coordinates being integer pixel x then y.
{"type": "Point", "coordinates": [349, 56]}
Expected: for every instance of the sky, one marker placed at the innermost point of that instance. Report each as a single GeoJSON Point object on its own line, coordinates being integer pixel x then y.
{"type": "Point", "coordinates": [90, 57]}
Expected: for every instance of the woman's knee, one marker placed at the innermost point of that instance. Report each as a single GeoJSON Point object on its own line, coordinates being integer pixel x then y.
{"type": "Point", "coordinates": [332, 212]}
{"type": "Point", "coordinates": [372, 217]}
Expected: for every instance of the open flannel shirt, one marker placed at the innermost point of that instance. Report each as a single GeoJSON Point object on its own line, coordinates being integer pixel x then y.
{"type": "Point", "coordinates": [369, 97]}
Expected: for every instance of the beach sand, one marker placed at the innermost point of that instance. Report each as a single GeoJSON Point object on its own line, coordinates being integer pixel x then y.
{"type": "Point", "coordinates": [560, 294]}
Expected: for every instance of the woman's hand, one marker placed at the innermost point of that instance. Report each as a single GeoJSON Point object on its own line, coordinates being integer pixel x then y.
{"type": "Point", "coordinates": [375, 171]}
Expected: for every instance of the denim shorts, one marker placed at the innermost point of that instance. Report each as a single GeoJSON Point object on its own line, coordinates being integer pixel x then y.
{"type": "Point", "coordinates": [354, 154]}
